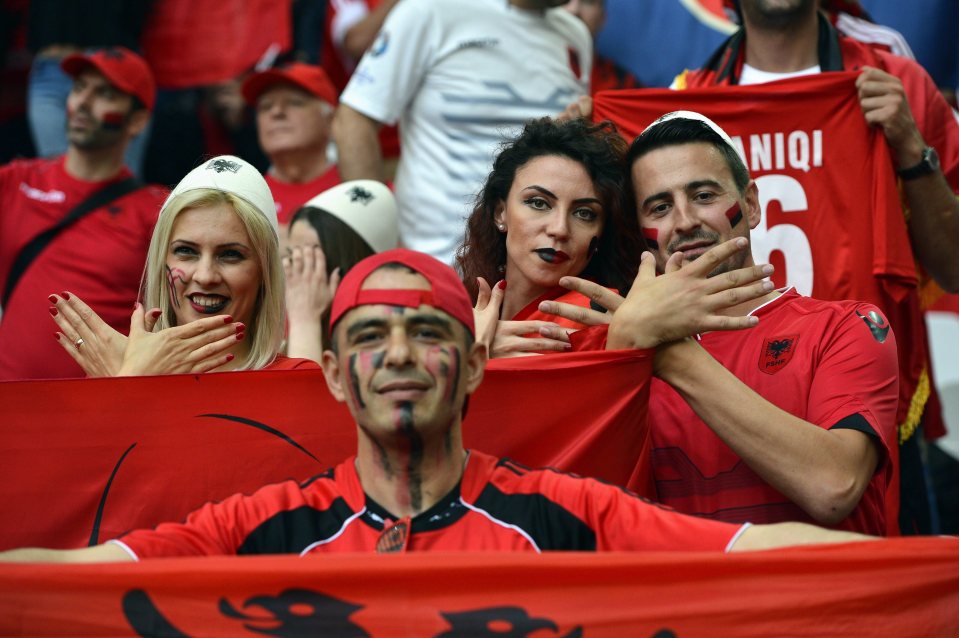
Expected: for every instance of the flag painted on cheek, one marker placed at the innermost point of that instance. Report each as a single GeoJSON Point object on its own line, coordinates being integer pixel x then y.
{"type": "Point", "coordinates": [735, 215]}
{"type": "Point", "coordinates": [651, 235]}
{"type": "Point", "coordinates": [113, 121]}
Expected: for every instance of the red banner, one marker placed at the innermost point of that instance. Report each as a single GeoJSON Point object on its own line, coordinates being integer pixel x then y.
{"type": "Point", "coordinates": [85, 460]}
{"type": "Point", "coordinates": [900, 587]}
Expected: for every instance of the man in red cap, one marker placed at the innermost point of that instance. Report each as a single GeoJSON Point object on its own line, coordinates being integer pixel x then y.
{"type": "Point", "coordinates": [404, 359]}
{"type": "Point", "coordinates": [80, 222]}
{"type": "Point", "coordinates": [294, 105]}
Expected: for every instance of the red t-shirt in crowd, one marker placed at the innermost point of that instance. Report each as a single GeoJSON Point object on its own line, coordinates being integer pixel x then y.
{"type": "Point", "coordinates": [290, 197]}
{"type": "Point", "coordinates": [99, 258]}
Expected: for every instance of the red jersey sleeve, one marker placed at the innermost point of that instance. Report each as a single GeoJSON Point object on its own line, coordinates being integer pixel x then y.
{"type": "Point", "coordinates": [858, 374]}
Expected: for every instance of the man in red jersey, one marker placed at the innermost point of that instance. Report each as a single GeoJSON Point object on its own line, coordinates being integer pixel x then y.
{"type": "Point", "coordinates": [404, 360]}
{"type": "Point", "coordinates": [792, 420]}
{"type": "Point", "coordinates": [294, 107]}
{"type": "Point", "coordinates": [786, 38]}
{"type": "Point", "coordinates": [99, 256]}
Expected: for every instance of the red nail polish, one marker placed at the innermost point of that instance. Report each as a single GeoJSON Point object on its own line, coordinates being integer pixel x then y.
{"type": "Point", "coordinates": [56, 335]}
{"type": "Point", "coordinates": [229, 357]}
{"type": "Point", "coordinates": [228, 319]}
{"type": "Point", "coordinates": [239, 336]}
{"type": "Point", "coordinates": [502, 284]}
{"type": "Point", "coordinates": [53, 311]}
{"type": "Point", "coordinates": [156, 313]}
{"type": "Point", "coordinates": [53, 299]}
{"type": "Point", "coordinates": [65, 295]}
{"type": "Point", "coordinates": [240, 327]}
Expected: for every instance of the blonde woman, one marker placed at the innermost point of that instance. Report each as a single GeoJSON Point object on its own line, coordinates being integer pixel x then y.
{"type": "Point", "coordinates": [213, 283]}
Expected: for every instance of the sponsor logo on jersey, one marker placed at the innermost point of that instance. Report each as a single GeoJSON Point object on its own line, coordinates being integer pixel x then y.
{"type": "Point", "coordinates": [478, 43]}
{"type": "Point", "coordinates": [50, 197]}
{"type": "Point", "coordinates": [877, 325]}
{"type": "Point", "coordinates": [777, 352]}
{"type": "Point", "coordinates": [381, 44]}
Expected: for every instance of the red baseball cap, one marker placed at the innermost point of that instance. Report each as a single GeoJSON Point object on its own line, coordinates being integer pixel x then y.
{"type": "Point", "coordinates": [447, 292]}
{"type": "Point", "coordinates": [122, 67]}
{"type": "Point", "coordinates": [308, 77]}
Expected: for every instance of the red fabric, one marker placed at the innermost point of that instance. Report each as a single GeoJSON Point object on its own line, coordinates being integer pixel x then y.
{"type": "Point", "coordinates": [903, 587]}
{"type": "Point", "coordinates": [289, 198]}
{"type": "Point", "coordinates": [498, 506]}
{"type": "Point", "coordinates": [835, 231]}
{"type": "Point", "coordinates": [199, 438]}
{"type": "Point", "coordinates": [190, 43]}
{"type": "Point", "coordinates": [292, 363]}
{"type": "Point", "coordinates": [816, 360]}
{"type": "Point", "coordinates": [99, 258]}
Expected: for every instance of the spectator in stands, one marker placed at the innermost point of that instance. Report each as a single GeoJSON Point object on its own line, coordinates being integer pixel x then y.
{"type": "Point", "coordinates": [213, 273]}
{"type": "Point", "coordinates": [792, 420]}
{"type": "Point", "coordinates": [328, 236]}
{"type": "Point", "coordinates": [58, 29]}
{"type": "Point", "coordinates": [404, 360]}
{"type": "Point", "coordinates": [459, 76]}
{"type": "Point", "coordinates": [100, 253]}
{"type": "Point", "coordinates": [607, 75]}
{"type": "Point", "coordinates": [294, 105]}
{"type": "Point", "coordinates": [553, 205]}
{"type": "Point", "coordinates": [780, 40]}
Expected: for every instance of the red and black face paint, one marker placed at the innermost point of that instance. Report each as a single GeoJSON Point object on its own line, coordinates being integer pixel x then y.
{"type": "Point", "coordinates": [172, 276]}
{"type": "Point", "coordinates": [405, 425]}
{"type": "Point", "coordinates": [735, 215]}
{"type": "Point", "coordinates": [651, 235]}
{"type": "Point", "coordinates": [113, 121]}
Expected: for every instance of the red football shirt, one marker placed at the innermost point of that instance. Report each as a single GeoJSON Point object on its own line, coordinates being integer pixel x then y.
{"type": "Point", "coordinates": [498, 505]}
{"type": "Point", "coordinates": [818, 360]}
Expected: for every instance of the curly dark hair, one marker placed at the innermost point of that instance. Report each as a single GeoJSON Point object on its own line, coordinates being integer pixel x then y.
{"type": "Point", "coordinates": [602, 152]}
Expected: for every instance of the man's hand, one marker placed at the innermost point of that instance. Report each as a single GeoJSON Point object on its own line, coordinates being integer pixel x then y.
{"type": "Point", "coordinates": [508, 338]}
{"type": "Point", "coordinates": [682, 302]}
{"type": "Point", "coordinates": [884, 103]}
{"type": "Point", "coordinates": [582, 107]}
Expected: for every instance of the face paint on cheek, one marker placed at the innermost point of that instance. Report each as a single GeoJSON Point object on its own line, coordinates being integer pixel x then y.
{"type": "Point", "coordinates": [593, 247]}
{"type": "Point", "coordinates": [735, 215]}
{"type": "Point", "coordinates": [355, 383]}
{"type": "Point", "coordinates": [172, 276]}
{"type": "Point", "coordinates": [651, 235]}
{"type": "Point", "coordinates": [113, 121]}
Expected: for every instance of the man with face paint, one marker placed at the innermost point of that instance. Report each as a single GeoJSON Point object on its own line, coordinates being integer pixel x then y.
{"type": "Point", "coordinates": [791, 420]}
{"type": "Point", "coordinates": [100, 257]}
{"type": "Point", "coordinates": [404, 360]}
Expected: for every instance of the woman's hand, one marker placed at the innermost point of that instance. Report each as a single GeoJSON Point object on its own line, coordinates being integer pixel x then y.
{"type": "Point", "coordinates": [510, 338]}
{"type": "Point", "coordinates": [199, 346]}
{"type": "Point", "coordinates": [92, 343]}
{"type": "Point", "coordinates": [309, 293]}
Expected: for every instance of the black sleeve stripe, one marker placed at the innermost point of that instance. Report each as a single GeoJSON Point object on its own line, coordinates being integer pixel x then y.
{"type": "Point", "coordinates": [293, 531]}
{"type": "Point", "coordinates": [856, 422]}
{"type": "Point", "coordinates": [550, 525]}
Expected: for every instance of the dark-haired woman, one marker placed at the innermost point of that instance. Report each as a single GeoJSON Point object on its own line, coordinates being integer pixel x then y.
{"type": "Point", "coordinates": [553, 205]}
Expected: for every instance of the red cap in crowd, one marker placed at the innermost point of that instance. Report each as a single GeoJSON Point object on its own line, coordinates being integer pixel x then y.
{"type": "Point", "coordinates": [447, 291]}
{"type": "Point", "coordinates": [123, 68]}
{"type": "Point", "coordinates": [308, 77]}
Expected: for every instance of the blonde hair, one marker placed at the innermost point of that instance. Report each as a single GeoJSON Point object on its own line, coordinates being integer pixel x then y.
{"type": "Point", "coordinates": [266, 331]}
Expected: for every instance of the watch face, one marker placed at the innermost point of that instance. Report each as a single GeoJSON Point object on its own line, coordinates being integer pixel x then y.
{"type": "Point", "coordinates": [931, 157]}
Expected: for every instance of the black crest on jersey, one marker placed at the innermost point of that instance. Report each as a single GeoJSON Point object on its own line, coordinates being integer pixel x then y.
{"type": "Point", "coordinates": [219, 165]}
{"type": "Point", "coordinates": [360, 194]}
{"type": "Point", "coordinates": [777, 352]}
{"type": "Point", "coordinates": [877, 325]}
